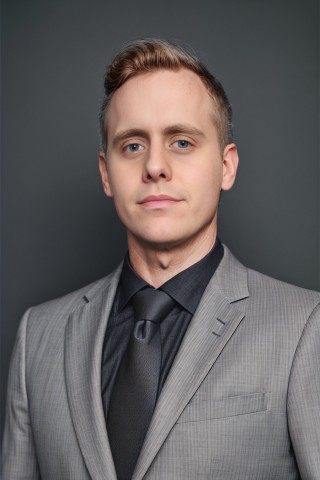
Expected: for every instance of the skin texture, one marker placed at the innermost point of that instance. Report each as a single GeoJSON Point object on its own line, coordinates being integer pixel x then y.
{"type": "Point", "coordinates": [164, 169]}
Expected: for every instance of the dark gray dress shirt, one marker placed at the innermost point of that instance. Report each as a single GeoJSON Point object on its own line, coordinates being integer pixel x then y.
{"type": "Point", "coordinates": [186, 288]}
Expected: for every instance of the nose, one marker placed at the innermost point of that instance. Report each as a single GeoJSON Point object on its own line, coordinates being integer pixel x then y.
{"type": "Point", "coordinates": [157, 165]}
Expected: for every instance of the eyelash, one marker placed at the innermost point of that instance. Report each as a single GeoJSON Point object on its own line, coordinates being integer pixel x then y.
{"type": "Point", "coordinates": [187, 144]}
{"type": "Point", "coordinates": [127, 147]}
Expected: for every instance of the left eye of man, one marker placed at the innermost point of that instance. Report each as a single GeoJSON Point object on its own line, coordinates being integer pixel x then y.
{"type": "Point", "coordinates": [182, 143]}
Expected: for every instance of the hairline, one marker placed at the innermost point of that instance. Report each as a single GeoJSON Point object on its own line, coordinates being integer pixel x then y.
{"type": "Point", "coordinates": [216, 116]}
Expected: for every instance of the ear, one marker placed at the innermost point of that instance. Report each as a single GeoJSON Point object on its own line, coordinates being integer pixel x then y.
{"type": "Point", "coordinates": [230, 165]}
{"type": "Point", "coordinates": [104, 174]}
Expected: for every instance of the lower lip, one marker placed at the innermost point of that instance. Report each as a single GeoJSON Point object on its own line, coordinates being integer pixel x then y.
{"type": "Point", "coordinates": [159, 203]}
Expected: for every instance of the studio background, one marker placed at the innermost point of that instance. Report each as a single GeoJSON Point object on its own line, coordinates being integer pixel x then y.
{"type": "Point", "coordinates": [58, 230]}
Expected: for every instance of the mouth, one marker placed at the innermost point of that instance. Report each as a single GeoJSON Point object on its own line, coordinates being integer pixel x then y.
{"type": "Point", "coordinates": [158, 201]}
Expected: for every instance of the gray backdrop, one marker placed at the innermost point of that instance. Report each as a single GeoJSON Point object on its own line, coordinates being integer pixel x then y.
{"type": "Point", "coordinates": [58, 230]}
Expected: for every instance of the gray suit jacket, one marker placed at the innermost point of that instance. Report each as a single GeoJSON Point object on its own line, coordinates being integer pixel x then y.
{"type": "Point", "coordinates": [242, 400]}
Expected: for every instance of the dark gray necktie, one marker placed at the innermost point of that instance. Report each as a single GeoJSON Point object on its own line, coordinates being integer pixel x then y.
{"type": "Point", "coordinates": [135, 390]}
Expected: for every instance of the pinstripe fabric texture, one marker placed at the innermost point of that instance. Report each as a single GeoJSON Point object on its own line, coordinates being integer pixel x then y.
{"type": "Point", "coordinates": [241, 400]}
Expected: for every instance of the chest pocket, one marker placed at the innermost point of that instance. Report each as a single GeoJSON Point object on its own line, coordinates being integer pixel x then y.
{"type": "Point", "coordinates": [205, 409]}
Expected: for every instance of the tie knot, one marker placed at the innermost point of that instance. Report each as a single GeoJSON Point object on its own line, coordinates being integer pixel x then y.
{"type": "Point", "coordinates": [151, 304]}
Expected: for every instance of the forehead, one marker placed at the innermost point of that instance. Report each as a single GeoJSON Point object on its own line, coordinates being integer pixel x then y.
{"type": "Point", "coordinates": [160, 96]}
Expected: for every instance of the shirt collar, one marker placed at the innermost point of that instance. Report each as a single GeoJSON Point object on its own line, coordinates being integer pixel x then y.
{"type": "Point", "coordinates": [186, 287]}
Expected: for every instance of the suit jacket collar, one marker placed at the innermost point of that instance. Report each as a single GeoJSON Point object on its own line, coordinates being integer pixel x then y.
{"type": "Point", "coordinates": [216, 319]}
{"type": "Point", "coordinates": [231, 278]}
{"type": "Point", "coordinates": [83, 351]}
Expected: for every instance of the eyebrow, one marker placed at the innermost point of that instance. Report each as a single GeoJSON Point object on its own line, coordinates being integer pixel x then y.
{"type": "Point", "coordinates": [133, 132]}
{"type": "Point", "coordinates": [183, 128]}
{"type": "Point", "coordinates": [178, 128]}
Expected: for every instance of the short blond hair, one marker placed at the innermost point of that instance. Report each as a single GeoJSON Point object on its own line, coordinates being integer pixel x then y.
{"type": "Point", "coordinates": [147, 55]}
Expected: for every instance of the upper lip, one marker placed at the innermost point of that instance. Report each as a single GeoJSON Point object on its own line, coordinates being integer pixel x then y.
{"type": "Point", "coordinates": [152, 198]}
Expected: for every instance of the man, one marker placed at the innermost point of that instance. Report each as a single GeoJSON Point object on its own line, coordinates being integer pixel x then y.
{"type": "Point", "coordinates": [225, 383]}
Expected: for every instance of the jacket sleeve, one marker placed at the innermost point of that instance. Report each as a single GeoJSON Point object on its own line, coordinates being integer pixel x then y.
{"type": "Point", "coordinates": [303, 404]}
{"type": "Point", "coordinates": [19, 457]}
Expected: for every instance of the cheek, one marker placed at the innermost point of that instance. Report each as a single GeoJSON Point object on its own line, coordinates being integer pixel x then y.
{"type": "Point", "coordinates": [123, 175]}
{"type": "Point", "coordinates": [118, 182]}
{"type": "Point", "coordinates": [123, 193]}
{"type": "Point", "coordinates": [208, 183]}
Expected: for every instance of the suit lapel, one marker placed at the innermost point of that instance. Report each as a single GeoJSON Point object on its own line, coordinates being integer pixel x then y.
{"type": "Point", "coordinates": [213, 324]}
{"type": "Point", "coordinates": [83, 350]}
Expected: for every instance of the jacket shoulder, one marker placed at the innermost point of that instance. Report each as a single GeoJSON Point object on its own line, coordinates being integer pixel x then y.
{"type": "Point", "coordinates": [73, 300]}
{"type": "Point", "coordinates": [279, 288]}
{"type": "Point", "coordinates": [263, 292]}
{"type": "Point", "coordinates": [283, 301]}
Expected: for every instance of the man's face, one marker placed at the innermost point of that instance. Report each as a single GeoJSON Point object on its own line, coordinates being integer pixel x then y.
{"type": "Point", "coordinates": [164, 166]}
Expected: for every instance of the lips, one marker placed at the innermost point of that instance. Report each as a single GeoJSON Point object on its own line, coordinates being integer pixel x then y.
{"type": "Point", "coordinates": [158, 201]}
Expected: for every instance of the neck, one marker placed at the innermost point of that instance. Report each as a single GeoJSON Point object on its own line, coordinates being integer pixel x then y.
{"type": "Point", "coordinates": [157, 264]}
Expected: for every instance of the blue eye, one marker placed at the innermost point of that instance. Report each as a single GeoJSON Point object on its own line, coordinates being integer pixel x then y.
{"type": "Point", "coordinates": [182, 144]}
{"type": "Point", "coordinates": [133, 147]}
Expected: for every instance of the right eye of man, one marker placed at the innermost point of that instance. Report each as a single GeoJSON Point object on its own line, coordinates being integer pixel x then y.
{"type": "Point", "coordinates": [133, 147]}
